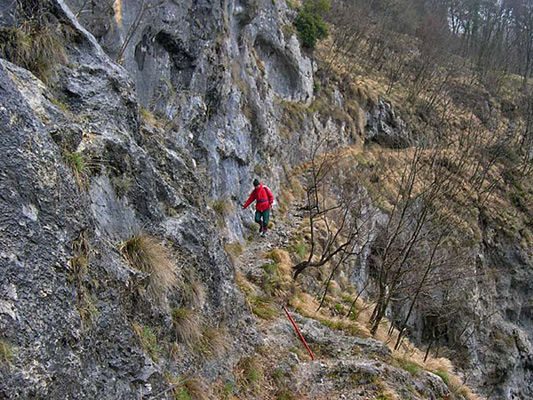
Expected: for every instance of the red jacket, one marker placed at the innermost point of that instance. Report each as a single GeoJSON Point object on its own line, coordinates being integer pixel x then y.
{"type": "Point", "coordinates": [263, 197]}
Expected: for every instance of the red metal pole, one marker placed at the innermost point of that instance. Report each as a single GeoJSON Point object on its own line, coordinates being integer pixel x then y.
{"type": "Point", "coordinates": [299, 333]}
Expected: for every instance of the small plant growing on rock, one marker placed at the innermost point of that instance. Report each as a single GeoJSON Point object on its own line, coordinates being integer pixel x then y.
{"type": "Point", "coordinates": [148, 340]}
{"type": "Point", "coordinates": [77, 164]}
{"type": "Point", "coordinates": [212, 343]}
{"type": "Point", "coordinates": [252, 372]}
{"type": "Point", "coordinates": [409, 366]}
{"type": "Point", "coordinates": [34, 46]}
{"type": "Point", "coordinates": [192, 389]}
{"type": "Point", "coordinates": [187, 325]}
{"type": "Point", "coordinates": [6, 354]}
{"type": "Point", "coordinates": [263, 308]}
{"type": "Point", "coordinates": [145, 254]}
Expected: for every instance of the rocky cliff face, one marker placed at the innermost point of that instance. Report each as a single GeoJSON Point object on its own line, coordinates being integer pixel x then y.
{"type": "Point", "coordinates": [81, 174]}
{"type": "Point", "coordinates": [173, 107]}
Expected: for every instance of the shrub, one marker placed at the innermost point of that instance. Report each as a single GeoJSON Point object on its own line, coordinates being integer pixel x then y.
{"type": "Point", "coordinates": [187, 325]}
{"type": "Point", "coordinates": [310, 25]}
{"type": "Point", "coordinates": [145, 254]}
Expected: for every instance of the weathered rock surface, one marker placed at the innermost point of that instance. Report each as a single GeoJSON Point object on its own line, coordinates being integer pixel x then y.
{"type": "Point", "coordinates": [214, 77]}
{"type": "Point", "coordinates": [71, 330]}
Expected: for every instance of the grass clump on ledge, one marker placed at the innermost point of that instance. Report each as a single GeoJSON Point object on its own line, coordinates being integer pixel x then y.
{"type": "Point", "coordinates": [187, 325]}
{"type": "Point", "coordinates": [146, 254]}
{"type": "Point", "coordinates": [251, 373]}
{"type": "Point", "coordinates": [192, 389]}
{"type": "Point", "coordinates": [34, 46]}
{"type": "Point", "coordinates": [213, 343]}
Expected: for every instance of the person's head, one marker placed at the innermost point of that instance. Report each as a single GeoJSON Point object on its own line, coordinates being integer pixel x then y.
{"type": "Point", "coordinates": [256, 182]}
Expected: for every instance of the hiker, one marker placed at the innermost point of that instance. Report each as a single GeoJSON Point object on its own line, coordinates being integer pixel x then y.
{"type": "Point", "coordinates": [263, 201]}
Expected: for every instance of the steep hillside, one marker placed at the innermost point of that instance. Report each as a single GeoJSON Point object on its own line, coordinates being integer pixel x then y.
{"type": "Point", "coordinates": [130, 134]}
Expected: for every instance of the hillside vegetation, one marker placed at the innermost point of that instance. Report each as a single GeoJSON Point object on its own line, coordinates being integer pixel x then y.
{"type": "Point", "coordinates": [396, 136]}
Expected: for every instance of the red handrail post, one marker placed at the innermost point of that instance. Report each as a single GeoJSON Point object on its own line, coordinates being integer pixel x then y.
{"type": "Point", "coordinates": [299, 333]}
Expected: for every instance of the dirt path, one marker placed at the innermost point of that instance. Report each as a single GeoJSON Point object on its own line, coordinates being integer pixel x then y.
{"type": "Point", "coordinates": [251, 260]}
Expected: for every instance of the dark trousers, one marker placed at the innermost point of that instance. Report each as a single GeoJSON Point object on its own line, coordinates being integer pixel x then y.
{"type": "Point", "coordinates": [262, 218]}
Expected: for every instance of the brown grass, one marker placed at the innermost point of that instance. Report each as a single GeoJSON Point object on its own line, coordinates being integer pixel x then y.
{"type": "Point", "coordinates": [187, 325]}
{"type": "Point", "coordinates": [191, 290]}
{"type": "Point", "coordinates": [146, 254]}
{"type": "Point", "coordinates": [213, 343]}
{"type": "Point", "coordinates": [193, 389]}
{"type": "Point", "coordinates": [35, 47]}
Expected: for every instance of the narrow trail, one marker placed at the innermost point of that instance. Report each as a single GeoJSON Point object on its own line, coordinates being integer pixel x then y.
{"type": "Point", "coordinates": [346, 366]}
{"type": "Point", "coordinates": [251, 260]}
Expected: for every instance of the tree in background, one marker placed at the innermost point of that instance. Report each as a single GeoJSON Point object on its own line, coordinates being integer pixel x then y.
{"type": "Point", "coordinates": [309, 23]}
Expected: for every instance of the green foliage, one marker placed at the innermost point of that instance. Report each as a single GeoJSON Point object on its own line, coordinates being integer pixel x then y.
{"type": "Point", "coordinates": [444, 376]}
{"type": "Point", "coordinates": [181, 393]}
{"type": "Point", "coordinates": [311, 28]}
{"type": "Point", "coordinates": [251, 369]}
{"type": "Point", "coordinates": [6, 354]}
{"type": "Point", "coordinates": [263, 308]}
{"type": "Point", "coordinates": [227, 390]}
{"type": "Point", "coordinates": [301, 249]}
{"type": "Point", "coordinates": [409, 366]}
{"type": "Point", "coordinates": [284, 394]}
{"type": "Point", "coordinates": [148, 340]}
{"type": "Point", "coordinates": [316, 6]}
{"type": "Point", "coordinates": [76, 162]}
{"type": "Point", "coordinates": [33, 46]}
{"type": "Point", "coordinates": [339, 308]}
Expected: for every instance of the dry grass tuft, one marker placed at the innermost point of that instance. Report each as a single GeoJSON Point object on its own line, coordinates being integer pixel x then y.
{"type": "Point", "coordinates": [187, 325]}
{"type": "Point", "coordinates": [250, 373]}
{"type": "Point", "coordinates": [192, 291]}
{"type": "Point", "coordinates": [192, 389]}
{"type": "Point", "coordinates": [282, 258]}
{"type": "Point", "coordinates": [213, 343]}
{"type": "Point", "coordinates": [145, 254]}
{"type": "Point", "coordinates": [35, 47]}
{"type": "Point", "coordinates": [244, 285]}
{"type": "Point", "coordinates": [198, 389]}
